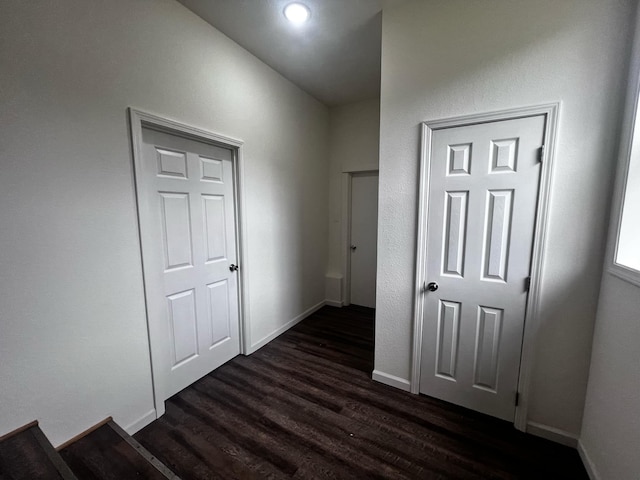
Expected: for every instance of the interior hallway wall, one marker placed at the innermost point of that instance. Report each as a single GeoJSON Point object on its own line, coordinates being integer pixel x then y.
{"type": "Point", "coordinates": [354, 140]}
{"type": "Point", "coordinates": [73, 336]}
{"type": "Point", "coordinates": [610, 436]}
{"type": "Point", "coordinates": [444, 58]}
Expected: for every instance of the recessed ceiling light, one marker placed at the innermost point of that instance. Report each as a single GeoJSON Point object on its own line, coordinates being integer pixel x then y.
{"type": "Point", "coordinates": [297, 13]}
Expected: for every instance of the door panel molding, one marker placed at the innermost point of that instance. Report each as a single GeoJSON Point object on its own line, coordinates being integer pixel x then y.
{"type": "Point", "coordinates": [502, 161]}
{"type": "Point", "coordinates": [171, 166]}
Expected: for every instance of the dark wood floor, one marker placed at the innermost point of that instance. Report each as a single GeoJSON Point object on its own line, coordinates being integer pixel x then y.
{"type": "Point", "coordinates": [304, 406]}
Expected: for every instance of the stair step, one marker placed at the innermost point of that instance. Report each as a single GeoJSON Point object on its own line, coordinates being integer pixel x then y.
{"type": "Point", "coordinates": [109, 453]}
{"type": "Point", "coordinates": [26, 454]}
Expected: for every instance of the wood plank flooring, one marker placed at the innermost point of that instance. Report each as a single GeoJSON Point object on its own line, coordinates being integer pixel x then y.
{"type": "Point", "coordinates": [304, 407]}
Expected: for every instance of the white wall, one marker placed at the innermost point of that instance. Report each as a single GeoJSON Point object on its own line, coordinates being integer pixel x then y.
{"type": "Point", "coordinates": [610, 437]}
{"type": "Point", "coordinates": [611, 427]}
{"type": "Point", "coordinates": [443, 58]}
{"type": "Point", "coordinates": [354, 141]}
{"type": "Point", "coordinates": [73, 334]}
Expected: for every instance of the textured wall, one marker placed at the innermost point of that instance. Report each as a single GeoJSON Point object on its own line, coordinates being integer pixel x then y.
{"type": "Point", "coordinates": [611, 427]}
{"type": "Point", "coordinates": [73, 337]}
{"type": "Point", "coordinates": [610, 434]}
{"type": "Point", "coordinates": [443, 58]}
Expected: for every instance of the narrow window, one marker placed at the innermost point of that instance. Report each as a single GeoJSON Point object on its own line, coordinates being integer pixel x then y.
{"type": "Point", "coordinates": [626, 258]}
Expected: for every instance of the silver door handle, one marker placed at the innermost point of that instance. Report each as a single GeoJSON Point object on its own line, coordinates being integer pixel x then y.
{"type": "Point", "coordinates": [233, 268]}
{"type": "Point", "coordinates": [432, 286]}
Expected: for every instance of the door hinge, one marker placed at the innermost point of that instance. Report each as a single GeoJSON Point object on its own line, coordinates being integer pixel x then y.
{"type": "Point", "coordinates": [541, 158]}
{"type": "Point", "coordinates": [517, 398]}
{"type": "Point", "coordinates": [527, 284]}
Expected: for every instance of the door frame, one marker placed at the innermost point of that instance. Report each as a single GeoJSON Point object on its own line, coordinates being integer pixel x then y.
{"type": "Point", "coordinates": [532, 315]}
{"type": "Point", "coordinates": [138, 120]}
{"type": "Point", "coordinates": [346, 228]}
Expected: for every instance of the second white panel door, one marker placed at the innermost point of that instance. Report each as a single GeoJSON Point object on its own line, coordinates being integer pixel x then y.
{"type": "Point", "coordinates": [482, 210]}
{"type": "Point", "coordinates": [364, 235]}
{"type": "Point", "coordinates": [187, 218]}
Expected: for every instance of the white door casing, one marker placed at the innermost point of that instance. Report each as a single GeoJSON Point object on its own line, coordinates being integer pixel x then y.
{"type": "Point", "coordinates": [363, 239]}
{"type": "Point", "coordinates": [483, 193]}
{"type": "Point", "coordinates": [186, 190]}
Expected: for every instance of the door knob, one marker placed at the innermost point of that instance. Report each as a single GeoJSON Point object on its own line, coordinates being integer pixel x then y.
{"type": "Point", "coordinates": [432, 286]}
{"type": "Point", "coordinates": [353, 247]}
{"type": "Point", "coordinates": [233, 268]}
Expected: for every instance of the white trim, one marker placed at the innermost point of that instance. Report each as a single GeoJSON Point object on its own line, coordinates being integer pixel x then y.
{"type": "Point", "coordinates": [138, 119]}
{"type": "Point", "coordinates": [333, 303]}
{"type": "Point", "coordinates": [476, 118]}
{"type": "Point", "coordinates": [142, 422]}
{"type": "Point", "coordinates": [347, 177]}
{"type": "Point", "coordinates": [632, 103]}
{"type": "Point", "coordinates": [261, 343]}
{"type": "Point", "coordinates": [589, 466]}
{"type": "Point", "coordinates": [551, 433]}
{"type": "Point", "coordinates": [391, 380]}
{"type": "Point", "coordinates": [627, 274]}
{"type": "Point", "coordinates": [421, 256]}
{"type": "Point", "coordinates": [532, 321]}
{"type": "Point", "coordinates": [243, 249]}
{"type": "Point", "coordinates": [361, 169]}
{"type": "Point", "coordinates": [532, 316]}
{"type": "Point", "coordinates": [346, 238]}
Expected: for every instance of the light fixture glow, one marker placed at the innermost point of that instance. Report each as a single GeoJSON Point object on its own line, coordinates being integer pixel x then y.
{"type": "Point", "coordinates": [297, 13]}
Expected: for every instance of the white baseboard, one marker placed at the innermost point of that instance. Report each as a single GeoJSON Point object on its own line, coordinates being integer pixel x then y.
{"type": "Point", "coordinates": [333, 303]}
{"type": "Point", "coordinates": [587, 462]}
{"type": "Point", "coordinates": [554, 434]}
{"type": "Point", "coordinates": [142, 422]}
{"type": "Point", "coordinates": [391, 380]}
{"type": "Point", "coordinates": [261, 343]}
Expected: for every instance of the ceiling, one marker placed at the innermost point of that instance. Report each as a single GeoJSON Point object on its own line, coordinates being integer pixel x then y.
{"type": "Point", "coordinates": [335, 56]}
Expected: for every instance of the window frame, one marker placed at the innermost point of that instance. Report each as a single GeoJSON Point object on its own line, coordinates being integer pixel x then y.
{"type": "Point", "coordinates": [628, 137]}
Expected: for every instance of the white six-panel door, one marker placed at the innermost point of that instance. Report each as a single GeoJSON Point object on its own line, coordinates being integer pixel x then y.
{"type": "Point", "coordinates": [187, 219]}
{"type": "Point", "coordinates": [483, 190]}
{"type": "Point", "coordinates": [364, 239]}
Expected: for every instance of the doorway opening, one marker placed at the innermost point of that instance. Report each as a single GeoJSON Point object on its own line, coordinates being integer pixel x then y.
{"type": "Point", "coordinates": [481, 228]}
{"type": "Point", "coordinates": [189, 197]}
{"type": "Point", "coordinates": [360, 227]}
